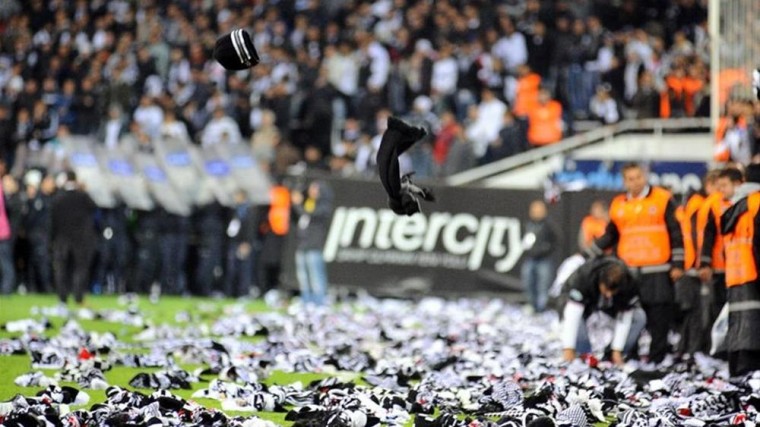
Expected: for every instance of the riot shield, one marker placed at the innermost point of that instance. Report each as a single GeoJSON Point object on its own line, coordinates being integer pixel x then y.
{"type": "Point", "coordinates": [246, 172]}
{"type": "Point", "coordinates": [217, 174]}
{"type": "Point", "coordinates": [125, 179]}
{"type": "Point", "coordinates": [175, 158]}
{"type": "Point", "coordinates": [159, 184]}
{"type": "Point", "coordinates": [80, 153]}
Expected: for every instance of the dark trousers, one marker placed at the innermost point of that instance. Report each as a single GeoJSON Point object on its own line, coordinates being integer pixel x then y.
{"type": "Point", "coordinates": [39, 274]}
{"type": "Point", "coordinates": [7, 269]}
{"type": "Point", "coordinates": [743, 362]}
{"type": "Point", "coordinates": [173, 257]}
{"type": "Point", "coordinates": [148, 261]}
{"type": "Point", "coordinates": [659, 320]}
{"type": "Point", "coordinates": [658, 301]}
{"type": "Point", "coordinates": [72, 267]}
{"type": "Point", "coordinates": [694, 335]}
{"type": "Point", "coordinates": [239, 273]}
{"type": "Point", "coordinates": [743, 324]}
{"type": "Point", "coordinates": [210, 261]}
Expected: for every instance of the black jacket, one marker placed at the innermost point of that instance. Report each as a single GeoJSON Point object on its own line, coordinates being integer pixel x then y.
{"type": "Point", "coordinates": [72, 214]}
{"type": "Point", "coordinates": [547, 238]}
{"type": "Point", "coordinates": [583, 287]}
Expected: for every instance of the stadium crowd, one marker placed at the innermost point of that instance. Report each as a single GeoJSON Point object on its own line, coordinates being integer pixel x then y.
{"type": "Point", "coordinates": [488, 78]}
{"type": "Point", "coordinates": [331, 70]}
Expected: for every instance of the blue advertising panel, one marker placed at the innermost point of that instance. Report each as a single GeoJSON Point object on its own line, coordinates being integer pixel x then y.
{"type": "Point", "coordinates": [679, 177]}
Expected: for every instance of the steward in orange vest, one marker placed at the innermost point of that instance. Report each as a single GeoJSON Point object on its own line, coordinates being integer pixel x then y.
{"type": "Point", "coordinates": [712, 262]}
{"type": "Point", "coordinates": [688, 288]}
{"type": "Point", "coordinates": [526, 92]}
{"type": "Point", "coordinates": [593, 225]}
{"type": "Point", "coordinates": [647, 236]}
{"type": "Point", "coordinates": [740, 225]}
{"type": "Point", "coordinates": [545, 121]}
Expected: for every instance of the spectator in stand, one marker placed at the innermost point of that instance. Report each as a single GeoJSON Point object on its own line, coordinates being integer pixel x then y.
{"type": "Point", "coordinates": [149, 116]}
{"type": "Point", "coordinates": [545, 121]}
{"type": "Point", "coordinates": [461, 155]}
{"type": "Point", "coordinates": [114, 128]}
{"type": "Point", "coordinates": [509, 142]}
{"type": "Point", "coordinates": [540, 50]}
{"type": "Point", "coordinates": [421, 153]}
{"type": "Point", "coordinates": [220, 128]}
{"type": "Point", "coordinates": [44, 124]}
{"type": "Point", "coordinates": [265, 139]}
{"type": "Point", "coordinates": [603, 106]}
{"type": "Point", "coordinates": [444, 140]}
{"type": "Point", "coordinates": [86, 105]}
{"type": "Point", "coordinates": [7, 140]}
{"type": "Point", "coordinates": [737, 141]}
{"type": "Point", "coordinates": [646, 101]}
{"type": "Point", "coordinates": [443, 81]}
{"type": "Point", "coordinates": [173, 128]}
{"type": "Point", "coordinates": [511, 48]}
{"type": "Point", "coordinates": [486, 122]}
{"type": "Point", "coordinates": [343, 73]}
{"type": "Point", "coordinates": [577, 82]}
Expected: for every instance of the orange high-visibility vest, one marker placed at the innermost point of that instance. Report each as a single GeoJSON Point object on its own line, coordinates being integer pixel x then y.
{"type": "Point", "coordinates": [279, 210]}
{"type": "Point", "coordinates": [526, 94]}
{"type": "Point", "coordinates": [644, 238]}
{"type": "Point", "coordinates": [686, 217]}
{"type": "Point", "coordinates": [684, 88]}
{"type": "Point", "coordinates": [545, 123]}
{"type": "Point", "coordinates": [592, 228]}
{"type": "Point", "coordinates": [716, 204]}
{"type": "Point", "coordinates": [740, 253]}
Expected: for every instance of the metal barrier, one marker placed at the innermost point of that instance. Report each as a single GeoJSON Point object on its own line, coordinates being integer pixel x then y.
{"type": "Point", "coordinates": [654, 126]}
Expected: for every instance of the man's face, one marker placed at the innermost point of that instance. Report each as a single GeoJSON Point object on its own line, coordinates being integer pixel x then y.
{"type": "Point", "coordinates": [726, 187]}
{"type": "Point", "coordinates": [634, 181]}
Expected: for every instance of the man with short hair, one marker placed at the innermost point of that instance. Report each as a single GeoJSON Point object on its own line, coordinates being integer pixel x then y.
{"type": "Point", "coordinates": [72, 214]}
{"type": "Point", "coordinates": [712, 262]}
{"type": "Point", "coordinates": [644, 229]}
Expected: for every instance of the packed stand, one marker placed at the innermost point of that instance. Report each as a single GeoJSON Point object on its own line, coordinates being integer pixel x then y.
{"type": "Point", "coordinates": [513, 74]}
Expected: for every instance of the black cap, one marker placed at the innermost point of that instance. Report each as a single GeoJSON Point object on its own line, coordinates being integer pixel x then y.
{"type": "Point", "coordinates": [235, 51]}
{"type": "Point", "coordinates": [752, 173]}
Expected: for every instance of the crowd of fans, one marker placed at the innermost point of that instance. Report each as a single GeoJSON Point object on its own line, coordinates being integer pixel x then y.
{"type": "Point", "coordinates": [488, 78]}
{"type": "Point", "coordinates": [480, 74]}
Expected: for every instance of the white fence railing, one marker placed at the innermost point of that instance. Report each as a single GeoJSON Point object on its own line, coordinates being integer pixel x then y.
{"type": "Point", "coordinates": [653, 126]}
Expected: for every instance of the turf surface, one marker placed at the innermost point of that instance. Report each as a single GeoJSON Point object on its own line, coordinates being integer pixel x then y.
{"type": "Point", "coordinates": [201, 310]}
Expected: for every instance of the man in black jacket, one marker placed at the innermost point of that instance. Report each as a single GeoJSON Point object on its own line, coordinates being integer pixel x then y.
{"type": "Point", "coordinates": [601, 285]}
{"type": "Point", "coordinates": [539, 244]}
{"type": "Point", "coordinates": [72, 214]}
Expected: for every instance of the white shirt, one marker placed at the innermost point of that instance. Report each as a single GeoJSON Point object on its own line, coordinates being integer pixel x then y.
{"type": "Point", "coordinates": [212, 133]}
{"type": "Point", "coordinates": [343, 73]}
{"type": "Point", "coordinates": [512, 50]}
{"type": "Point", "coordinates": [486, 127]}
{"type": "Point", "coordinates": [444, 76]}
{"type": "Point", "coordinates": [381, 65]}
{"type": "Point", "coordinates": [150, 119]}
